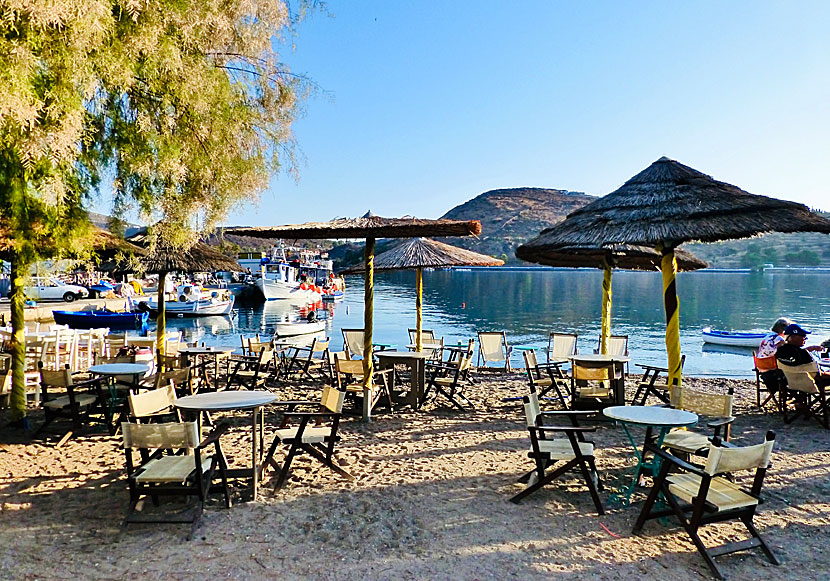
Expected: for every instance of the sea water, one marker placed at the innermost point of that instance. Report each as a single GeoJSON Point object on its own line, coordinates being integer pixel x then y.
{"type": "Point", "coordinates": [530, 304]}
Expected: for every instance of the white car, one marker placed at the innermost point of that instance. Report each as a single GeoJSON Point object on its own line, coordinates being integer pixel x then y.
{"type": "Point", "coordinates": [52, 289]}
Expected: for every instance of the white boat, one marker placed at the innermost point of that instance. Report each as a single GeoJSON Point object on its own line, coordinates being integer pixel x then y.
{"type": "Point", "coordinates": [732, 338]}
{"type": "Point", "coordinates": [304, 279]}
{"type": "Point", "coordinates": [194, 301]}
{"type": "Point", "coordinates": [284, 329]}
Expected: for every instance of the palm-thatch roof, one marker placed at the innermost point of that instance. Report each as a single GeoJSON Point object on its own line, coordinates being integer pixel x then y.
{"type": "Point", "coordinates": [427, 253]}
{"type": "Point", "coordinates": [625, 256]}
{"type": "Point", "coordinates": [368, 226]}
{"type": "Point", "coordinates": [669, 203]}
{"type": "Point", "coordinates": [198, 258]}
{"type": "Point", "coordinates": [107, 245]}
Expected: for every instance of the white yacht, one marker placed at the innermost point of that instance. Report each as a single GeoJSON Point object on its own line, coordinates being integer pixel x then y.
{"type": "Point", "coordinates": [300, 279]}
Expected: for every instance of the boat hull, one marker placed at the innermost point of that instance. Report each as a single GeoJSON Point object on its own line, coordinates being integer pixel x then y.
{"type": "Point", "coordinates": [275, 290]}
{"type": "Point", "coordinates": [99, 320]}
{"type": "Point", "coordinates": [300, 328]}
{"type": "Point", "coordinates": [200, 308]}
{"type": "Point", "coordinates": [732, 339]}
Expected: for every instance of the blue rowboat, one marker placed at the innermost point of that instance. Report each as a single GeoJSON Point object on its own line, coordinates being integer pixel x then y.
{"type": "Point", "coordinates": [100, 318]}
{"type": "Point", "coordinates": [732, 338]}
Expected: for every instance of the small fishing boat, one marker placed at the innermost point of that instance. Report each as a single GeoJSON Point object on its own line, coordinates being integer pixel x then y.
{"type": "Point", "coordinates": [732, 338]}
{"type": "Point", "coordinates": [284, 329]}
{"type": "Point", "coordinates": [101, 318]}
{"type": "Point", "coordinates": [194, 301]}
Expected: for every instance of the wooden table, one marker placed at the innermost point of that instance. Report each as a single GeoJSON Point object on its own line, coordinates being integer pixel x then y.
{"type": "Point", "coordinates": [649, 417]}
{"type": "Point", "coordinates": [619, 361]}
{"type": "Point", "coordinates": [416, 361]}
{"type": "Point", "coordinates": [201, 367]}
{"type": "Point", "coordinates": [220, 401]}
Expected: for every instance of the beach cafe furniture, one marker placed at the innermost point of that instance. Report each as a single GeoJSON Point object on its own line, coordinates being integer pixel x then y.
{"type": "Point", "coordinates": [654, 383]}
{"type": "Point", "coordinates": [172, 462]}
{"type": "Point", "coordinates": [493, 348]}
{"type": "Point", "coordinates": [154, 404]}
{"type": "Point", "coordinates": [546, 377]}
{"type": "Point", "coordinates": [717, 407]}
{"type": "Point", "coordinates": [448, 379]}
{"type": "Point", "coordinates": [249, 371]}
{"type": "Point", "coordinates": [348, 375]}
{"type": "Point", "coordinates": [809, 397]}
{"type": "Point", "coordinates": [353, 342]}
{"type": "Point", "coordinates": [617, 345]}
{"type": "Point", "coordinates": [769, 379]}
{"type": "Point", "coordinates": [312, 432]}
{"type": "Point", "coordinates": [311, 359]}
{"type": "Point", "coordinates": [202, 359]}
{"type": "Point", "coordinates": [218, 401]}
{"type": "Point", "coordinates": [570, 447]}
{"type": "Point", "coordinates": [651, 418]}
{"type": "Point", "coordinates": [597, 380]}
{"type": "Point", "coordinates": [416, 362]}
{"type": "Point", "coordinates": [561, 346]}
{"type": "Point", "coordinates": [429, 342]}
{"type": "Point", "coordinates": [697, 497]}
{"type": "Point", "coordinates": [62, 396]}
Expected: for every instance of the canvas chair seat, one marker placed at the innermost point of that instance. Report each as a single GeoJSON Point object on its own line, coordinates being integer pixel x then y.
{"type": "Point", "coordinates": [82, 399]}
{"type": "Point", "coordinates": [686, 441]}
{"type": "Point", "coordinates": [560, 449]}
{"type": "Point", "coordinates": [170, 469]}
{"type": "Point", "coordinates": [723, 495]}
{"type": "Point", "coordinates": [311, 435]}
{"type": "Point", "coordinates": [593, 391]}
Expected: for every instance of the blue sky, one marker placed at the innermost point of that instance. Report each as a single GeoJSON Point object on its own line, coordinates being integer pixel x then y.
{"type": "Point", "coordinates": [425, 105]}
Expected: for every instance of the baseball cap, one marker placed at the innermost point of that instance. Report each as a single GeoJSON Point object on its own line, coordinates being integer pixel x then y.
{"type": "Point", "coordinates": [795, 329]}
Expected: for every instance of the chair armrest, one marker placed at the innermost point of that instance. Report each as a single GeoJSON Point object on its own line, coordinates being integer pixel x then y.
{"type": "Point", "coordinates": [562, 428]}
{"type": "Point", "coordinates": [674, 460]}
{"type": "Point", "coordinates": [718, 422]}
{"type": "Point", "coordinates": [652, 367]}
{"type": "Point", "coordinates": [214, 435]}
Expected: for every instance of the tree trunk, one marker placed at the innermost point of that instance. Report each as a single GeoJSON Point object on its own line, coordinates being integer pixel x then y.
{"type": "Point", "coordinates": [17, 408]}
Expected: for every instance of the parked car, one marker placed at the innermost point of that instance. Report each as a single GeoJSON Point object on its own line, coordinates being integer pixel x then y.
{"type": "Point", "coordinates": [51, 289]}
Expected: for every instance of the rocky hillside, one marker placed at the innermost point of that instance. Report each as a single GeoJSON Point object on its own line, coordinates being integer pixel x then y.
{"type": "Point", "coordinates": [512, 216]}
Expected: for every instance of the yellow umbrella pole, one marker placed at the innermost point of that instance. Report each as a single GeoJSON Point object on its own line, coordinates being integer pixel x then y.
{"type": "Point", "coordinates": [419, 299]}
{"type": "Point", "coordinates": [668, 266]}
{"type": "Point", "coordinates": [368, 299]}
{"type": "Point", "coordinates": [161, 331]}
{"type": "Point", "coordinates": [606, 308]}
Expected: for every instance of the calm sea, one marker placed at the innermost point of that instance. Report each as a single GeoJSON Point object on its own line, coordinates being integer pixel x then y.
{"type": "Point", "coordinates": [529, 304]}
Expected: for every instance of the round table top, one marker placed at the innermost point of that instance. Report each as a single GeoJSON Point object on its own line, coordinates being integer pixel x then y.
{"type": "Point", "coordinates": [650, 415]}
{"type": "Point", "coordinates": [598, 357]}
{"type": "Point", "coordinates": [403, 355]}
{"type": "Point", "coordinates": [426, 345]}
{"type": "Point", "coordinates": [205, 350]}
{"type": "Point", "coordinates": [225, 400]}
{"type": "Point", "coordinates": [119, 369]}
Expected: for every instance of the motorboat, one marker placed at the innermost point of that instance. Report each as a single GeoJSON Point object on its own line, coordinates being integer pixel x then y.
{"type": "Point", "coordinates": [192, 300]}
{"type": "Point", "coordinates": [732, 338]}
{"type": "Point", "coordinates": [291, 329]}
{"type": "Point", "coordinates": [305, 278]}
{"type": "Point", "coordinates": [101, 318]}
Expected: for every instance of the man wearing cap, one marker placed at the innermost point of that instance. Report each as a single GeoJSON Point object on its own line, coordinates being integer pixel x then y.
{"type": "Point", "coordinates": [792, 351]}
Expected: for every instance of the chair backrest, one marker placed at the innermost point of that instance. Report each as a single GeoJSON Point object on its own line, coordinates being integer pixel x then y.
{"type": "Point", "coordinates": [703, 402]}
{"type": "Point", "coordinates": [179, 377]}
{"type": "Point", "coordinates": [427, 336]}
{"type": "Point", "coordinates": [617, 345]}
{"type": "Point", "coordinates": [353, 342]}
{"type": "Point", "coordinates": [493, 346]}
{"type": "Point", "coordinates": [763, 364]}
{"type": "Point", "coordinates": [532, 409]}
{"type": "Point", "coordinates": [562, 345]}
{"type": "Point", "coordinates": [801, 377]}
{"type": "Point", "coordinates": [721, 459]}
{"type": "Point", "coordinates": [332, 399]}
{"type": "Point", "coordinates": [55, 378]}
{"type": "Point", "coordinates": [531, 363]}
{"type": "Point", "coordinates": [114, 343]}
{"type": "Point", "coordinates": [348, 366]}
{"type": "Point", "coordinates": [151, 402]}
{"type": "Point", "coordinates": [170, 435]}
{"type": "Point", "coordinates": [601, 371]}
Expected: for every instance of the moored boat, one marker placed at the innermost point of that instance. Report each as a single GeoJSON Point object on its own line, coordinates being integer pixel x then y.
{"type": "Point", "coordinates": [732, 338]}
{"type": "Point", "coordinates": [194, 301]}
{"type": "Point", "coordinates": [284, 329]}
{"type": "Point", "coordinates": [100, 318]}
{"type": "Point", "coordinates": [306, 278]}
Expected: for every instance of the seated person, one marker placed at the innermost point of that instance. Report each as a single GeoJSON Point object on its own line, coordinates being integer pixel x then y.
{"type": "Point", "coordinates": [770, 343]}
{"type": "Point", "coordinates": [792, 352]}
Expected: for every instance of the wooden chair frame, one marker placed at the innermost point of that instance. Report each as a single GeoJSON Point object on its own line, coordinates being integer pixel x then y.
{"type": "Point", "coordinates": [649, 385]}
{"type": "Point", "coordinates": [557, 354]}
{"type": "Point", "coordinates": [809, 396]}
{"type": "Point", "coordinates": [80, 400]}
{"type": "Point", "coordinates": [484, 355]}
{"type": "Point", "coordinates": [546, 377]}
{"type": "Point", "coordinates": [769, 379]}
{"type": "Point", "coordinates": [447, 379]}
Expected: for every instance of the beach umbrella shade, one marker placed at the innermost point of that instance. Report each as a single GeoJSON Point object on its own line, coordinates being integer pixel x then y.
{"type": "Point", "coordinates": [371, 228]}
{"type": "Point", "coordinates": [420, 253]}
{"type": "Point", "coordinates": [666, 205]}
{"type": "Point", "coordinates": [163, 258]}
{"type": "Point", "coordinates": [624, 256]}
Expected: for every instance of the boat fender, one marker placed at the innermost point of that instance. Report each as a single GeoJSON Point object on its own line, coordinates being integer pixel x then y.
{"type": "Point", "coordinates": [303, 286]}
{"type": "Point", "coordinates": [182, 298]}
{"type": "Point", "coordinates": [214, 294]}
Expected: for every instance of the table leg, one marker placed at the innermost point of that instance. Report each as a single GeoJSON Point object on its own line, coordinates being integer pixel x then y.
{"type": "Point", "coordinates": [418, 383]}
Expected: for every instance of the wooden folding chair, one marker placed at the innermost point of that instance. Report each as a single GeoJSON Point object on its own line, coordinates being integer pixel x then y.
{"type": "Point", "coordinates": [716, 407]}
{"type": "Point", "coordinates": [493, 348]}
{"type": "Point", "coordinates": [309, 360]}
{"type": "Point", "coordinates": [155, 404]}
{"type": "Point", "coordinates": [574, 450]}
{"type": "Point", "coordinates": [172, 462]}
{"type": "Point", "coordinates": [654, 383]}
{"type": "Point", "coordinates": [591, 384]}
{"type": "Point", "coordinates": [697, 497]}
{"type": "Point", "coordinates": [561, 346]}
{"type": "Point", "coordinates": [769, 379]}
{"type": "Point", "coordinates": [250, 371]}
{"type": "Point", "coordinates": [546, 377]}
{"type": "Point", "coordinates": [448, 379]}
{"type": "Point", "coordinates": [349, 379]}
{"type": "Point", "coordinates": [808, 395]}
{"type": "Point", "coordinates": [62, 396]}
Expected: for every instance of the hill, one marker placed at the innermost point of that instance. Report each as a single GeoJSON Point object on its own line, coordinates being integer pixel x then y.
{"type": "Point", "coordinates": [512, 216]}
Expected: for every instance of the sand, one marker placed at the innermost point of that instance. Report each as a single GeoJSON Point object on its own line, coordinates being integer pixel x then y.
{"type": "Point", "coordinates": [430, 500]}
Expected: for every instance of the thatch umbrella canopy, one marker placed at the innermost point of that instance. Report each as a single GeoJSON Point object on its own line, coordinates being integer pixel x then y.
{"type": "Point", "coordinates": [369, 227]}
{"type": "Point", "coordinates": [420, 253]}
{"type": "Point", "coordinates": [668, 204]}
{"type": "Point", "coordinates": [625, 256]}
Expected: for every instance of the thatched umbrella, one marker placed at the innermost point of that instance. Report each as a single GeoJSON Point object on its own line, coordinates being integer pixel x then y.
{"type": "Point", "coordinates": [369, 227]}
{"type": "Point", "coordinates": [420, 253]}
{"type": "Point", "coordinates": [163, 259]}
{"type": "Point", "coordinates": [668, 204]}
{"type": "Point", "coordinates": [625, 256]}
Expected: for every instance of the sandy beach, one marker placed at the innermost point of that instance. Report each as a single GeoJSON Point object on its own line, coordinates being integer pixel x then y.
{"type": "Point", "coordinates": [430, 501]}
